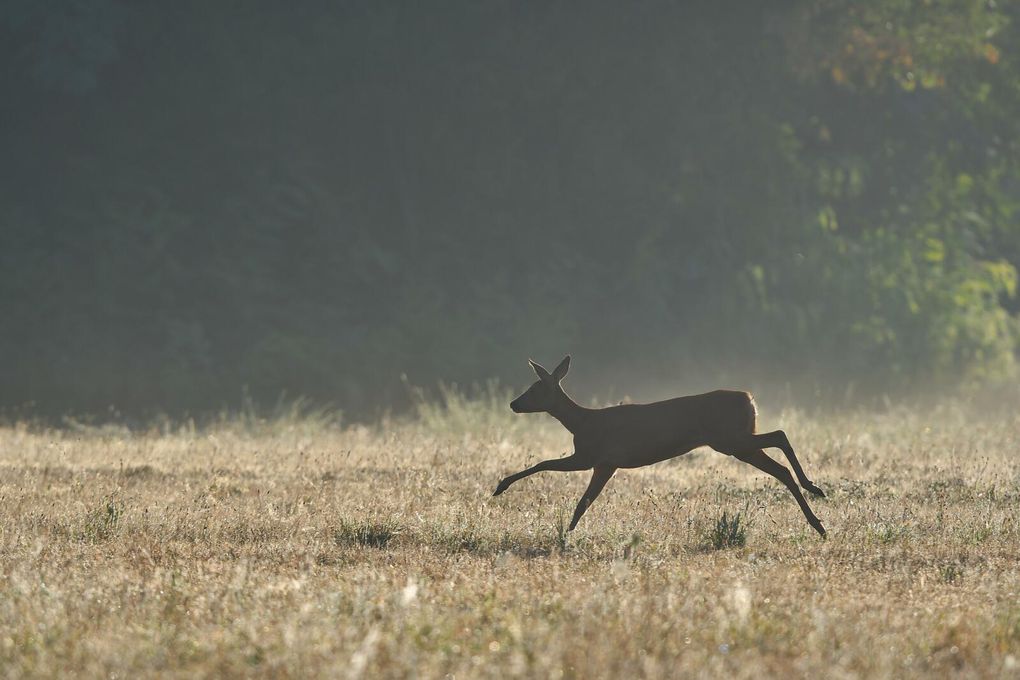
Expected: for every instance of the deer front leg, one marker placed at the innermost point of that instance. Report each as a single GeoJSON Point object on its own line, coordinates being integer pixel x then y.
{"type": "Point", "coordinates": [569, 464]}
{"type": "Point", "coordinates": [598, 481]}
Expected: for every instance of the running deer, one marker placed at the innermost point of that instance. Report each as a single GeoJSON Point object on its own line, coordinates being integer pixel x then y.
{"type": "Point", "coordinates": [635, 435]}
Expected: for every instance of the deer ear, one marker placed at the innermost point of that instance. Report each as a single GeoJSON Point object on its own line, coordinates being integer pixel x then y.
{"type": "Point", "coordinates": [561, 371]}
{"type": "Point", "coordinates": [540, 371]}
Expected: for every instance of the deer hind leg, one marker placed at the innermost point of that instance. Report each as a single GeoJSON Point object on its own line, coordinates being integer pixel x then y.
{"type": "Point", "coordinates": [761, 460]}
{"type": "Point", "coordinates": [568, 464]}
{"type": "Point", "coordinates": [599, 477]}
{"type": "Point", "coordinates": [779, 440]}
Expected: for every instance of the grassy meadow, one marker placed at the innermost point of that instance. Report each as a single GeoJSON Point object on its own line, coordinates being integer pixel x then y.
{"type": "Point", "coordinates": [297, 547]}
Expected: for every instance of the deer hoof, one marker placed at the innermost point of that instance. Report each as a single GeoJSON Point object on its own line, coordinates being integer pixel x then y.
{"type": "Point", "coordinates": [811, 488]}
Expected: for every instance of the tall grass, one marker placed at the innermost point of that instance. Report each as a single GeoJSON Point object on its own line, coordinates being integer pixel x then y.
{"type": "Point", "coordinates": [296, 546]}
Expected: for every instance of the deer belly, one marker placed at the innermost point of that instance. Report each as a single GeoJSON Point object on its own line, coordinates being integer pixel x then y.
{"type": "Point", "coordinates": [653, 454]}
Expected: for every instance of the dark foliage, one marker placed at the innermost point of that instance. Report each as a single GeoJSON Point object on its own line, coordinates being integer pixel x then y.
{"type": "Point", "coordinates": [318, 198]}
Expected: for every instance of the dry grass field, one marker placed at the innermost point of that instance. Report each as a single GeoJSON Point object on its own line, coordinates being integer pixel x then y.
{"type": "Point", "coordinates": [297, 548]}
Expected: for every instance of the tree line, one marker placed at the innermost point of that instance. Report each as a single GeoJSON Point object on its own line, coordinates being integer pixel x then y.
{"type": "Point", "coordinates": [338, 199]}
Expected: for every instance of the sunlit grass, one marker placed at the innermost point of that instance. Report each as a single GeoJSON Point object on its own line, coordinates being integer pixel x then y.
{"type": "Point", "coordinates": [295, 546]}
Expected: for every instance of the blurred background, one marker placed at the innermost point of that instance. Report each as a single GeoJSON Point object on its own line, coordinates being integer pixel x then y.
{"type": "Point", "coordinates": [817, 199]}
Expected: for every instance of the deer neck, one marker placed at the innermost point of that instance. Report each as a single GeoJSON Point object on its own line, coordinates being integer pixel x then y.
{"type": "Point", "coordinates": [570, 414]}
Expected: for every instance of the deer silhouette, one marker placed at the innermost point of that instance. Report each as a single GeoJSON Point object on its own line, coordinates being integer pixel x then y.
{"type": "Point", "coordinates": [635, 435]}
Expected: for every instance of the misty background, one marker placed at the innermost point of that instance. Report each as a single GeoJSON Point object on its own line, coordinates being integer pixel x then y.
{"type": "Point", "coordinates": [814, 198]}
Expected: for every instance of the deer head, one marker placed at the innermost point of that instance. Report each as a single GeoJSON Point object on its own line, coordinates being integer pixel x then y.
{"type": "Point", "coordinates": [545, 393]}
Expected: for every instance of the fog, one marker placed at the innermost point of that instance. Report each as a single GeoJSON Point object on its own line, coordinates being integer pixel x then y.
{"type": "Point", "coordinates": [817, 200]}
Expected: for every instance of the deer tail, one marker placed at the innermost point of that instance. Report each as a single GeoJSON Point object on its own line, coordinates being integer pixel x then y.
{"type": "Point", "coordinates": [752, 414]}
